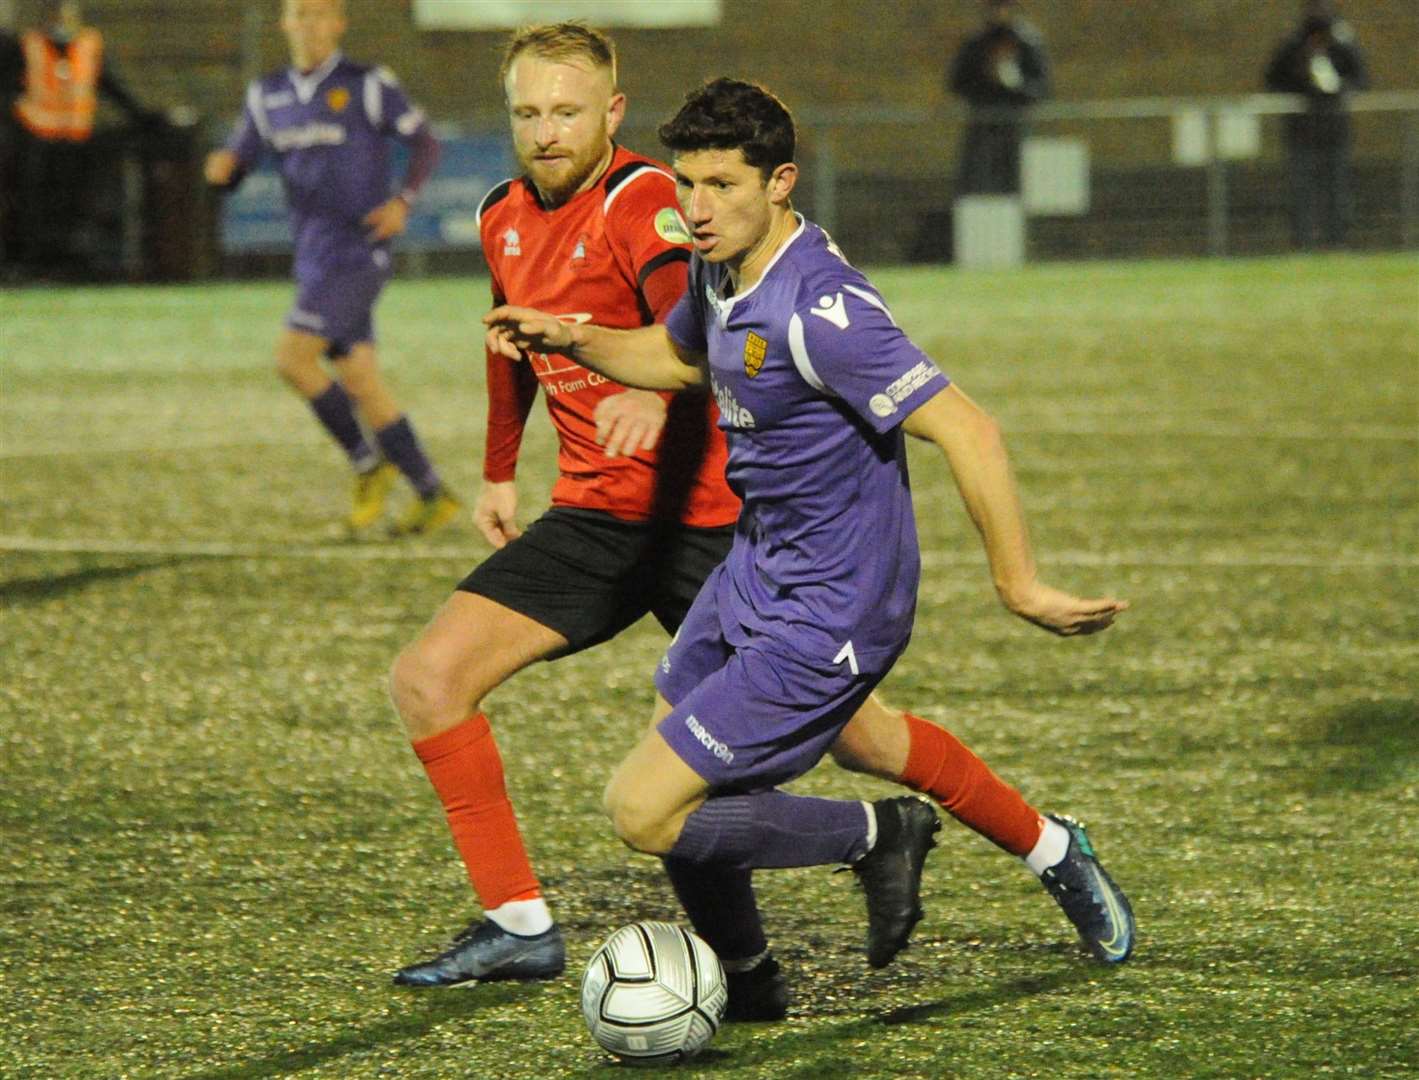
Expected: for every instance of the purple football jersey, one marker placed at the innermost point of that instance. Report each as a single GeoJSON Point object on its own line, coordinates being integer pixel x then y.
{"type": "Point", "coordinates": [329, 130]}
{"type": "Point", "coordinates": [813, 380]}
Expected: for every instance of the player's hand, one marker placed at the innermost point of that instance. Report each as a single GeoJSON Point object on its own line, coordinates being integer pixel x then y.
{"type": "Point", "coordinates": [515, 331]}
{"type": "Point", "coordinates": [387, 219]}
{"type": "Point", "coordinates": [219, 167]}
{"type": "Point", "coordinates": [629, 421]}
{"type": "Point", "coordinates": [1061, 613]}
{"type": "Point", "coordinates": [495, 512]}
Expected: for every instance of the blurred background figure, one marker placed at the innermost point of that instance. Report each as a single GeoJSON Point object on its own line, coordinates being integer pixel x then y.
{"type": "Point", "coordinates": [1321, 61]}
{"type": "Point", "coordinates": [12, 81]}
{"type": "Point", "coordinates": [1000, 71]}
{"type": "Point", "coordinates": [63, 77]}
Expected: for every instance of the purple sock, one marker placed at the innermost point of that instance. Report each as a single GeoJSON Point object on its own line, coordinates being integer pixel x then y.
{"type": "Point", "coordinates": [336, 414]}
{"type": "Point", "coordinates": [773, 829]}
{"type": "Point", "coordinates": [720, 902]}
{"type": "Point", "coordinates": [401, 446]}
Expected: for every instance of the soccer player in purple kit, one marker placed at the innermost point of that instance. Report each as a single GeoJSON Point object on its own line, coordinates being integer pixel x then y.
{"type": "Point", "coordinates": [328, 121]}
{"type": "Point", "coordinates": [815, 385]}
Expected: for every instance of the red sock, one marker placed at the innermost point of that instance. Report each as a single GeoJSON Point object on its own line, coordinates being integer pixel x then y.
{"type": "Point", "coordinates": [940, 765]}
{"type": "Point", "coordinates": [466, 770]}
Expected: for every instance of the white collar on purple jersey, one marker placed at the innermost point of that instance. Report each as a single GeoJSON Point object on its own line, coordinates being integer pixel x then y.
{"type": "Point", "coordinates": [723, 306]}
{"type": "Point", "coordinates": [307, 85]}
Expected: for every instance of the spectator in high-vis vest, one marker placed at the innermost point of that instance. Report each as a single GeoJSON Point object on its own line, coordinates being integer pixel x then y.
{"type": "Point", "coordinates": [64, 76]}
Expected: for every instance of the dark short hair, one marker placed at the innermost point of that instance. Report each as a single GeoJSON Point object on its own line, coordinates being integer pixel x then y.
{"type": "Point", "coordinates": [729, 114]}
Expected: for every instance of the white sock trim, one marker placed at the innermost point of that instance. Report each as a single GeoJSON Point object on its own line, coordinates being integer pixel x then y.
{"type": "Point", "coordinates": [526, 918]}
{"type": "Point", "coordinates": [871, 825]}
{"type": "Point", "coordinates": [737, 967]}
{"type": "Point", "coordinates": [1052, 846]}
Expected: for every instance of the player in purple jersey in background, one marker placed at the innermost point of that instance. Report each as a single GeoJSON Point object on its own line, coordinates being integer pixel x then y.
{"type": "Point", "coordinates": [816, 386]}
{"type": "Point", "coordinates": [328, 121]}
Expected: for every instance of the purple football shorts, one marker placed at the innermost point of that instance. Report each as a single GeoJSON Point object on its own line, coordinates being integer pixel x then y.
{"type": "Point", "coordinates": [339, 307]}
{"type": "Point", "coordinates": [752, 717]}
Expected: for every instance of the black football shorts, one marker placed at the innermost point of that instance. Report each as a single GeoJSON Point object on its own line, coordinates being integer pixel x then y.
{"type": "Point", "coordinates": [588, 575]}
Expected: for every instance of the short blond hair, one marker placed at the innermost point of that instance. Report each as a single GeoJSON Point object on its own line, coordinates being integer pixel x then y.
{"type": "Point", "coordinates": [564, 42]}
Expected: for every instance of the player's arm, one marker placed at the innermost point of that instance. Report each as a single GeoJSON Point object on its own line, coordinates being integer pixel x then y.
{"type": "Point", "coordinates": [975, 450]}
{"type": "Point", "coordinates": [227, 167]}
{"type": "Point", "coordinates": [646, 357]}
{"type": "Point", "coordinates": [401, 119]}
{"type": "Point", "coordinates": [512, 388]}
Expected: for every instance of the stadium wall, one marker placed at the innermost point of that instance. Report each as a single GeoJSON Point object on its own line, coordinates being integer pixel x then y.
{"type": "Point", "coordinates": [829, 52]}
{"type": "Point", "coordinates": [891, 178]}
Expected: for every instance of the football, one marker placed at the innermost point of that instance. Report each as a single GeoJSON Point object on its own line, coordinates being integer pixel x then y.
{"type": "Point", "coordinates": [653, 994]}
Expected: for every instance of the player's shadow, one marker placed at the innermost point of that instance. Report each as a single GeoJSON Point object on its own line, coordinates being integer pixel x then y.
{"type": "Point", "coordinates": [808, 1047]}
{"type": "Point", "coordinates": [1366, 746]}
{"type": "Point", "coordinates": [420, 1012]}
{"type": "Point", "coordinates": [35, 590]}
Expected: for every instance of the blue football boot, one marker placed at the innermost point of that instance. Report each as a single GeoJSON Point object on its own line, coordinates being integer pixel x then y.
{"type": "Point", "coordinates": [1095, 905]}
{"type": "Point", "coordinates": [485, 952]}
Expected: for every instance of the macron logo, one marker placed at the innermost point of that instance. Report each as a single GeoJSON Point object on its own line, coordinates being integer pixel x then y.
{"type": "Point", "coordinates": [708, 741]}
{"type": "Point", "coordinates": [832, 309]}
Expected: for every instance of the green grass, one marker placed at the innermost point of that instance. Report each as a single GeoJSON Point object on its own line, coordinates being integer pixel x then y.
{"type": "Point", "coordinates": [217, 845]}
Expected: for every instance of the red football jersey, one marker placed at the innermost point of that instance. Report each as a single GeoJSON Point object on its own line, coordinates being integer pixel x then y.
{"type": "Point", "coordinates": [615, 255]}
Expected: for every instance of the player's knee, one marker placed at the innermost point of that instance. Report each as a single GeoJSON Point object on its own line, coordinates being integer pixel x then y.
{"type": "Point", "coordinates": [872, 741]}
{"type": "Point", "coordinates": [426, 694]}
{"type": "Point", "coordinates": [636, 822]}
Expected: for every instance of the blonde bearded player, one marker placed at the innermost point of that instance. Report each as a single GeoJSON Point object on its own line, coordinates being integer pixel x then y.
{"type": "Point", "coordinates": [591, 231]}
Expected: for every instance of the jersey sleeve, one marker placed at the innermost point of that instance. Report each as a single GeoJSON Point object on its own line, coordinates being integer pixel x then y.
{"type": "Point", "coordinates": [649, 238]}
{"type": "Point", "coordinates": [686, 320]}
{"type": "Point", "coordinates": [845, 344]}
{"type": "Point", "coordinates": [249, 139]}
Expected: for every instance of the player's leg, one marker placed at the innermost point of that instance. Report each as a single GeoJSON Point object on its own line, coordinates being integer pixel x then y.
{"type": "Point", "coordinates": [347, 306]}
{"type": "Point", "coordinates": [550, 592]}
{"type": "Point", "coordinates": [299, 356]}
{"type": "Point", "coordinates": [438, 683]}
{"type": "Point", "coordinates": [906, 749]}
{"type": "Point", "coordinates": [719, 900]}
{"type": "Point", "coordinates": [756, 721]}
{"type": "Point", "coordinates": [436, 506]}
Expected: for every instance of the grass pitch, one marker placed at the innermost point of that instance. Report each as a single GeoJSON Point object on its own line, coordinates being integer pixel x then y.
{"type": "Point", "coordinates": [217, 845]}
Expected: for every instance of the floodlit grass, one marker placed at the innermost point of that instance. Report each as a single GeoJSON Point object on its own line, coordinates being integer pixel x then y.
{"type": "Point", "coordinates": [217, 845]}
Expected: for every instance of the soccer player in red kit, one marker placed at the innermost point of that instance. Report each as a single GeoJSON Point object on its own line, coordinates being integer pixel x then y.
{"type": "Point", "coordinates": [641, 513]}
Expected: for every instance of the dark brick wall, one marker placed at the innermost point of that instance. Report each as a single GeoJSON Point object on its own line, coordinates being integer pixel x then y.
{"type": "Point", "coordinates": [823, 52]}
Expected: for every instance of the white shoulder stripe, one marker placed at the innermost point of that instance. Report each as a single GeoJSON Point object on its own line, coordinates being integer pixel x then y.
{"type": "Point", "coordinates": [798, 349]}
{"type": "Point", "coordinates": [871, 298]}
{"type": "Point", "coordinates": [374, 99]}
{"type": "Point", "coordinates": [642, 171]}
{"type": "Point", "coordinates": [483, 202]}
{"type": "Point", "coordinates": [258, 110]}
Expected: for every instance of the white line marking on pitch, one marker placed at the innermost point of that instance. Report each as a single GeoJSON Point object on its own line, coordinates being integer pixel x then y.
{"type": "Point", "coordinates": [218, 549]}
{"type": "Point", "coordinates": [1256, 434]}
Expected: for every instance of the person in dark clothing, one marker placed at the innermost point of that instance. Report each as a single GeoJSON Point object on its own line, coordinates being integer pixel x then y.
{"type": "Point", "coordinates": [12, 80]}
{"type": "Point", "coordinates": [1000, 71]}
{"type": "Point", "coordinates": [64, 75]}
{"type": "Point", "coordinates": [1321, 62]}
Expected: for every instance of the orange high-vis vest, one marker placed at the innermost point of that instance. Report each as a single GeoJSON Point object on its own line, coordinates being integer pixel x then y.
{"type": "Point", "coordinates": [61, 85]}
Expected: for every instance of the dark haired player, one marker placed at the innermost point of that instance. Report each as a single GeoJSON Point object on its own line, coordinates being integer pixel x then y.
{"type": "Point", "coordinates": [815, 385]}
{"type": "Point", "coordinates": [328, 122]}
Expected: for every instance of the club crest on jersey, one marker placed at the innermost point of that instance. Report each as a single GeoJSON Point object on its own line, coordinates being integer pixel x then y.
{"type": "Point", "coordinates": [337, 99]}
{"type": "Point", "coordinates": [512, 243]}
{"type": "Point", "coordinates": [755, 349]}
{"type": "Point", "coordinates": [579, 252]}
